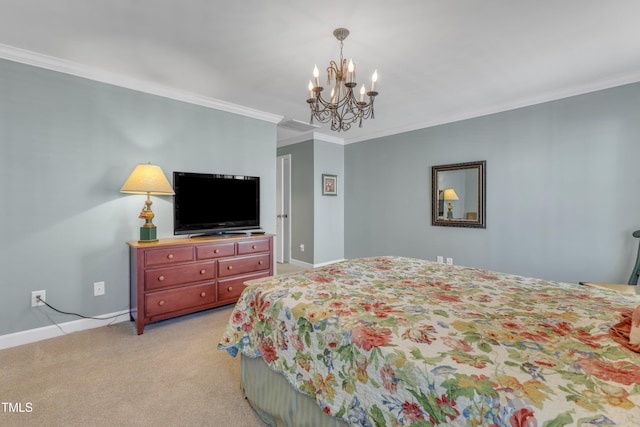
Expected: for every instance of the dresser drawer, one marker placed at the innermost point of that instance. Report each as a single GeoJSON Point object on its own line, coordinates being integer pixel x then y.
{"type": "Point", "coordinates": [215, 250]}
{"type": "Point", "coordinates": [256, 245]}
{"type": "Point", "coordinates": [167, 256]}
{"type": "Point", "coordinates": [169, 276]}
{"type": "Point", "coordinates": [162, 302]}
{"type": "Point", "coordinates": [230, 289]}
{"type": "Point", "coordinates": [240, 265]}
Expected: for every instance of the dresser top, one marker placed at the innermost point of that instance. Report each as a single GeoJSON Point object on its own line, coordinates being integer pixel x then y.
{"type": "Point", "coordinates": [191, 240]}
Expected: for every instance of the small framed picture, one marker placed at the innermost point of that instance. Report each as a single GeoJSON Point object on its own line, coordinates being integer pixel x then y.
{"type": "Point", "coordinates": [329, 185]}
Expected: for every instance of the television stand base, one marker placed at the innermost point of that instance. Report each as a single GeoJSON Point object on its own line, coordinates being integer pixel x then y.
{"type": "Point", "coordinates": [216, 234]}
{"type": "Point", "coordinates": [229, 233]}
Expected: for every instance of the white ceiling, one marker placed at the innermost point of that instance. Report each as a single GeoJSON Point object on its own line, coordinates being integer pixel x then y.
{"type": "Point", "coordinates": [438, 61]}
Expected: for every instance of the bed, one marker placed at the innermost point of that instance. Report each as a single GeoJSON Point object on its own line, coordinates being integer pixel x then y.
{"type": "Point", "coordinates": [389, 341]}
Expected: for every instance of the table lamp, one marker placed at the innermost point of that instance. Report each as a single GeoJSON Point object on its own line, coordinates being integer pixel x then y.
{"type": "Point", "coordinates": [147, 179]}
{"type": "Point", "coordinates": [449, 194]}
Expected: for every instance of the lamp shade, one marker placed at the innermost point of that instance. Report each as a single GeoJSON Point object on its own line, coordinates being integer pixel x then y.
{"type": "Point", "coordinates": [450, 194]}
{"type": "Point", "coordinates": [147, 179]}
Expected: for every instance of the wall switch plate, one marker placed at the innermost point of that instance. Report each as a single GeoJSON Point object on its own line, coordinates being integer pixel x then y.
{"type": "Point", "coordinates": [301, 247]}
{"type": "Point", "coordinates": [449, 261]}
{"type": "Point", "coordinates": [34, 298]}
{"type": "Point", "coordinates": [98, 289]}
{"type": "Point", "coordinates": [440, 259]}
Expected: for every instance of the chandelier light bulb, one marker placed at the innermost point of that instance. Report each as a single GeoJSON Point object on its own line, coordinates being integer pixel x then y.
{"type": "Point", "coordinates": [374, 79]}
{"type": "Point", "coordinates": [350, 72]}
{"type": "Point", "coordinates": [362, 91]}
{"type": "Point", "coordinates": [316, 75]}
{"type": "Point", "coordinates": [310, 89]}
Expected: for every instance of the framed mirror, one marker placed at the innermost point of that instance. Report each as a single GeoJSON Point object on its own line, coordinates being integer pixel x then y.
{"type": "Point", "coordinates": [458, 195]}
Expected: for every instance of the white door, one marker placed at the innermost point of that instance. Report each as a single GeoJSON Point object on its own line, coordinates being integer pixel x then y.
{"type": "Point", "coordinates": [283, 203]}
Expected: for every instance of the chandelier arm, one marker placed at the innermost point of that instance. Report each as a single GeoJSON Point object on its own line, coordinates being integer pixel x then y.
{"type": "Point", "coordinates": [343, 113]}
{"type": "Point", "coordinates": [333, 71]}
{"type": "Point", "coordinates": [323, 114]}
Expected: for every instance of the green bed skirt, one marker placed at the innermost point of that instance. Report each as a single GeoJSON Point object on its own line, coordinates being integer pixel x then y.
{"type": "Point", "coordinates": [276, 402]}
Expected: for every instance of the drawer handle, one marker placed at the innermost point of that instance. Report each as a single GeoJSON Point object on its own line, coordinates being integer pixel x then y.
{"type": "Point", "coordinates": [170, 256]}
{"type": "Point", "coordinates": [216, 251]}
{"type": "Point", "coordinates": [160, 278]}
{"type": "Point", "coordinates": [253, 246]}
{"type": "Point", "coordinates": [230, 267]}
{"type": "Point", "coordinates": [230, 288]}
{"type": "Point", "coordinates": [203, 271]}
{"type": "Point", "coordinates": [161, 302]}
{"type": "Point", "coordinates": [260, 262]}
{"type": "Point", "coordinates": [203, 294]}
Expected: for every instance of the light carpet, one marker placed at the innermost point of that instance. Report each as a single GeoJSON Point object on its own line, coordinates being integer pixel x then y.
{"type": "Point", "coordinates": [172, 375]}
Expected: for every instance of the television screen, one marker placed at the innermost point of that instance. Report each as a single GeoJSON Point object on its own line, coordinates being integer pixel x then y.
{"type": "Point", "coordinates": [212, 204]}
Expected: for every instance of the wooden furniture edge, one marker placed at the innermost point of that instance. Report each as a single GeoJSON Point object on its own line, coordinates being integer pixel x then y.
{"type": "Point", "coordinates": [618, 287]}
{"type": "Point", "coordinates": [190, 240]}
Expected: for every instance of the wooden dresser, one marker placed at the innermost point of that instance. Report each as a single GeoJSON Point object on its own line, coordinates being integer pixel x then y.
{"type": "Point", "coordinates": [177, 276]}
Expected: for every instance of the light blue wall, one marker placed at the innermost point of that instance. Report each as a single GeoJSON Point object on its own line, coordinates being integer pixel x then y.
{"type": "Point", "coordinates": [562, 190]}
{"type": "Point", "coordinates": [66, 147]}
{"type": "Point", "coordinates": [302, 199]}
{"type": "Point", "coordinates": [317, 221]}
{"type": "Point", "coordinates": [328, 210]}
{"type": "Point", "coordinates": [562, 180]}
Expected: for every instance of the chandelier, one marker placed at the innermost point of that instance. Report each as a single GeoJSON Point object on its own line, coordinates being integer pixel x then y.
{"type": "Point", "coordinates": [342, 108]}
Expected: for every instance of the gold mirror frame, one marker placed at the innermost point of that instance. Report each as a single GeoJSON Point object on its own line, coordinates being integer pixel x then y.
{"type": "Point", "coordinates": [465, 206]}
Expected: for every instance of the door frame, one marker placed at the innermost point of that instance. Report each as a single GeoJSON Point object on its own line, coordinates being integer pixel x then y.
{"type": "Point", "coordinates": [283, 208]}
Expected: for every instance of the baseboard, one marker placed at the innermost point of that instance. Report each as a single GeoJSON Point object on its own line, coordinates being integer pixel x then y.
{"type": "Point", "coordinates": [322, 264]}
{"type": "Point", "coordinates": [300, 263]}
{"type": "Point", "coordinates": [53, 331]}
{"type": "Point", "coordinates": [307, 265]}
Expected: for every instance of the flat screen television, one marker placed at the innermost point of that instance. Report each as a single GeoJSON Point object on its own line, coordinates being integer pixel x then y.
{"type": "Point", "coordinates": [215, 204]}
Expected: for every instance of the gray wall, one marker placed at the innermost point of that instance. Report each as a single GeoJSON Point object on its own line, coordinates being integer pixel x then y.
{"type": "Point", "coordinates": [317, 221]}
{"type": "Point", "coordinates": [66, 147]}
{"type": "Point", "coordinates": [562, 190]}
{"type": "Point", "coordinates": [329, 210]}
{"type": "Point", "coordinates": [302, 199]}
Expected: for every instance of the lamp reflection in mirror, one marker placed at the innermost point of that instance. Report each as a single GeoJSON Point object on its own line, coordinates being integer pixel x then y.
{"type": "Point", "coordinates": [448, 195]}
{"type": "Point", "coordinates": [147, 179]}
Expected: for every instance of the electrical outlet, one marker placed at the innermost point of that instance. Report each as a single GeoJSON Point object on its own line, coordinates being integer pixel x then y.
{"type": "Point", "coordinates": [440, 259]}
{"type": "Point", "coordinates": [98, 289]}
{"type": "Point", "coordinates": [301, 247]}
{"type": "Point", "coordinates": [34, 298]}
{"type": "Point", "coordinates": [449, 261]}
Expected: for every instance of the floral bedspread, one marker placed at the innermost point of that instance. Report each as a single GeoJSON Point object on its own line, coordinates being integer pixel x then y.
{"type": "Point", "coordinates": [393, 341]}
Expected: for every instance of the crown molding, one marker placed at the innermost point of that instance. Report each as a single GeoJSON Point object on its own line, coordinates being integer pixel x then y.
{"type": "Point", "coordinates": [610, 83]}
{"type": "Point", "coordinates": [72, 68]}
{"type": "Point", "coordinates": [311, 136]}
{"type": "Point", "coordinates": [75, 69]}
{"type": "Point", "coordinates": [318, 136]}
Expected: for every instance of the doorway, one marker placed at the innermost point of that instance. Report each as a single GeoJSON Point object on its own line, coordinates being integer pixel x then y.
{"type": "Point", "coordinates": [283, 206]}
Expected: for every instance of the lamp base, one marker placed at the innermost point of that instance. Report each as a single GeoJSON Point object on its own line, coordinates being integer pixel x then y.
{"type": "Point", "coordinates": [148, 234]}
